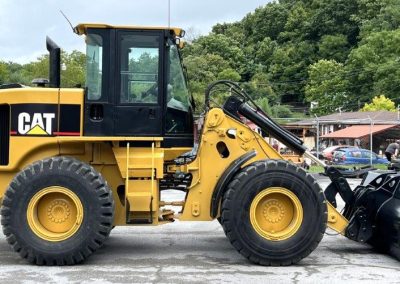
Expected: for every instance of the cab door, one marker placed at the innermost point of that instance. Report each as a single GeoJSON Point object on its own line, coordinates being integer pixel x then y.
{"type": "Point", "coordinates": [139, 84]}
{"type": "Point", "coordinates": [99, 106]}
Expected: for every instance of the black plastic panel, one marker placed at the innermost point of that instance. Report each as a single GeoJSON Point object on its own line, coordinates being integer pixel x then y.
{"type": "Point", "coordinates": [4, 134]}
{"type": "Point", "coordinates": [182, 141]}
{"type": "Point", "coordinates": [70, 120]}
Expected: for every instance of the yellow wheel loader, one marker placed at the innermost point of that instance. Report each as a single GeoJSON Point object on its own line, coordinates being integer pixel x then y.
{"type": "Point", "coordinates": [74, 163]}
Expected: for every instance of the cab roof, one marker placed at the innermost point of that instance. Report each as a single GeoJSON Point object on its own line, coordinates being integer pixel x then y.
{"type": "Point", "coordinates": [81, 29]}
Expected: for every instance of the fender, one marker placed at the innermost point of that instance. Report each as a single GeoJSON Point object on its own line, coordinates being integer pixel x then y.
{"type": "Point", "coordinates": [226, 177]}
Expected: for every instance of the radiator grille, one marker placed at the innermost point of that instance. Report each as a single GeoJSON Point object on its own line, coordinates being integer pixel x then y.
{"type": "Point", "coordinates": [4, 134]}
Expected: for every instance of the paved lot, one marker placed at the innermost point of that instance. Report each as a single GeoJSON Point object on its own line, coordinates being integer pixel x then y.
{"type": "Point", "coordinates": [199, 252]}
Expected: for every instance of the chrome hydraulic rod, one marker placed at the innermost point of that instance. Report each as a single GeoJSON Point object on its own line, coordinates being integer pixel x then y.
{"type": "Point", "coordinates": [307, 154]}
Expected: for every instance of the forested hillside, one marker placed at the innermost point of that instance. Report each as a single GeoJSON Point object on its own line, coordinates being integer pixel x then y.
{"type": "Point", "coordinates": [287, 55]}
{"type": "Point", "coordinates": [338, 53]}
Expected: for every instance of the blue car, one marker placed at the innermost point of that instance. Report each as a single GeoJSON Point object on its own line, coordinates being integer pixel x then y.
{"type": "Point", "coordinates": [350, 156]}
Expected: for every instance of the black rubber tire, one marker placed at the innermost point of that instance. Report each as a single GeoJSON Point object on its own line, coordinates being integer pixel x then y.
{"type": "Point", "coordinates": [86, 183]}
{"type": "Point", "coordinates": [236, 206]}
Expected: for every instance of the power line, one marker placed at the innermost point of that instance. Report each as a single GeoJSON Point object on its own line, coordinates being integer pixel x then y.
{"type": "Point", "coordinates": [347, 74]}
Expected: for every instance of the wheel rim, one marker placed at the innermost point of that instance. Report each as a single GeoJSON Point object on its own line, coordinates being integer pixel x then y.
{"type": "Point", "coordinates": [55, 213]}
{"type": "Point", "coordinates": [276, 213]}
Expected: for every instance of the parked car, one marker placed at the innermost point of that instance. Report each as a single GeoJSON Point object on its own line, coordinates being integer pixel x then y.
{"type": "Point", "coordinates": [327, 153]}
{"type": "Point", "coordinates": [353, 155]}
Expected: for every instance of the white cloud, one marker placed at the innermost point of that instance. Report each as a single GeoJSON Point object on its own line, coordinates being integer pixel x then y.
{"type": "Point", "coordinates": [24, 24]}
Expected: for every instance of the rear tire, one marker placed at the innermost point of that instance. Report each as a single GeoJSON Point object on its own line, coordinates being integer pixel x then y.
{"type": "Point", "coordinates": [57, 211]}
{"type": "Point", "coordinates": [274, 213]}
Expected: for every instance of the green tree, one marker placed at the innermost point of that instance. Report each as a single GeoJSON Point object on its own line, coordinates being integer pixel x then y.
{"type": "Point", "coordinates": [334, 17]}
{"type": "Point", "coordinates": [37, 69]}
{"type": "Point", "coordinates": [229, 74]}
{"type": "Point", "coordinates": [373, 67]}
{"type": "Point", "coordinates": [221, 45]}
{"type": "Point", "coordinates": [234, 31]}
{"type": "Point", "coordinates": [327, 87]}
{"type": "Point", "coordinates": [377, 15]}
{"type": "Point", "coordinates": [298, 26]}
{"type": "Point", "coordinates": [288, 69]}
{"type": "Point", "coordinates": [334, 47]}
{"type": "Point", "coordinates": [263, 103]}
{"type": "Point", "coordinates": [203, 70]}
{"type": "Point", "coordinates": [380, 103]}
{"type": "Point", "coordinates": [260, 87]}
{"type": "Point", "coordinates": [268, 21]}
{"type": "Point", "coordinates": [264, 52]}
{"type": "Point", "coordinates": [275, 111]}
{"type": "Point", "coordinates": [74, 73]}
{"type": "Point", "coordinates": [3, 72]}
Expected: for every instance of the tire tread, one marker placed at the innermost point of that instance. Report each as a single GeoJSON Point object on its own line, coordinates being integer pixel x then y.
{"type": "Point", "coordinates": [261, 167]}
{"type": "Point", "coordinates": [103, 195]}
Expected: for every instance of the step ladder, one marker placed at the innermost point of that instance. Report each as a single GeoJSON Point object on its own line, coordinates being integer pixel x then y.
{"type": "Point", "coordinates": [139, 193]}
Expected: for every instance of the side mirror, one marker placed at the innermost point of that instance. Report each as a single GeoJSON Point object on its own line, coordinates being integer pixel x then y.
{"type": "Point", "coordinates": [180, 43]}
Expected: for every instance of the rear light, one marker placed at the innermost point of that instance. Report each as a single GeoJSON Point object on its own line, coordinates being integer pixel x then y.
{"type": "Point", "coordinates": [343, 158]}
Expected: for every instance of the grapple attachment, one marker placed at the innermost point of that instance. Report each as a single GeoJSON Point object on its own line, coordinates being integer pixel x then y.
{"type": "Point", "coordinates": [373, 208]}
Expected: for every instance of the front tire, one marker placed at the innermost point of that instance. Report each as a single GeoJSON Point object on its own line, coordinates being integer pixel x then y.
{"type": "Point", "coordinates": [274, 213]}
{"type": "Point", "coordinates": [57, 211]}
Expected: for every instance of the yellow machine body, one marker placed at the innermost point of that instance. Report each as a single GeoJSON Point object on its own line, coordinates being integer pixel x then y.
{"type": "Point", "coordinates": [139, 170]}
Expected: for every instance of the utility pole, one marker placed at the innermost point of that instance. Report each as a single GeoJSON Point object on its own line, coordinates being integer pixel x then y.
{"type": "Point", "coordinates": [371, 126]}
{"type": "Point", "coordinates": [317, 135]}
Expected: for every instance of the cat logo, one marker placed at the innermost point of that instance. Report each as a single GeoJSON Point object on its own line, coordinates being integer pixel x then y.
{"type": "Point", "coordinates": [36, 124]}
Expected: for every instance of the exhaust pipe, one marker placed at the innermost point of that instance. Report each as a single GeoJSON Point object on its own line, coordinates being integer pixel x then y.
{"type": "Point", "coordinates": [55, 63]}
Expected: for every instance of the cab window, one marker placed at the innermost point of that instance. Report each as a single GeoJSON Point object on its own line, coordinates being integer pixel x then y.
{"type": "Point", "coordinates": [139, 69]}
{"type": "Point", "coordinates": [94, 63]}
{"type": "Point", "coordinates": [178, 99]}
{"type": "Point", "coordinates": [178, 94]}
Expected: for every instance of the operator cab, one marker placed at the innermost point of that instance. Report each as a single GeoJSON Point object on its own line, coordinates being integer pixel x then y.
{"type": "Point", "coordinates": [135, 84]}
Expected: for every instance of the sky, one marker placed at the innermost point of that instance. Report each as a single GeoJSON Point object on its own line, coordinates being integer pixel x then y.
{"type": "Point", "coordinates": [24, 24]}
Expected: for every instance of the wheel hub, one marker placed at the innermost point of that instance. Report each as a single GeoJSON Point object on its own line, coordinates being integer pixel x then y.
{"type": "Point", "coordinates": [273, 211]}
{"type": "Point", "coordinates": [55, 213]}
{"type": "Point", "coordinates": [58, 211]}
{"type": "Point", "coordinates": [276, 213]}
